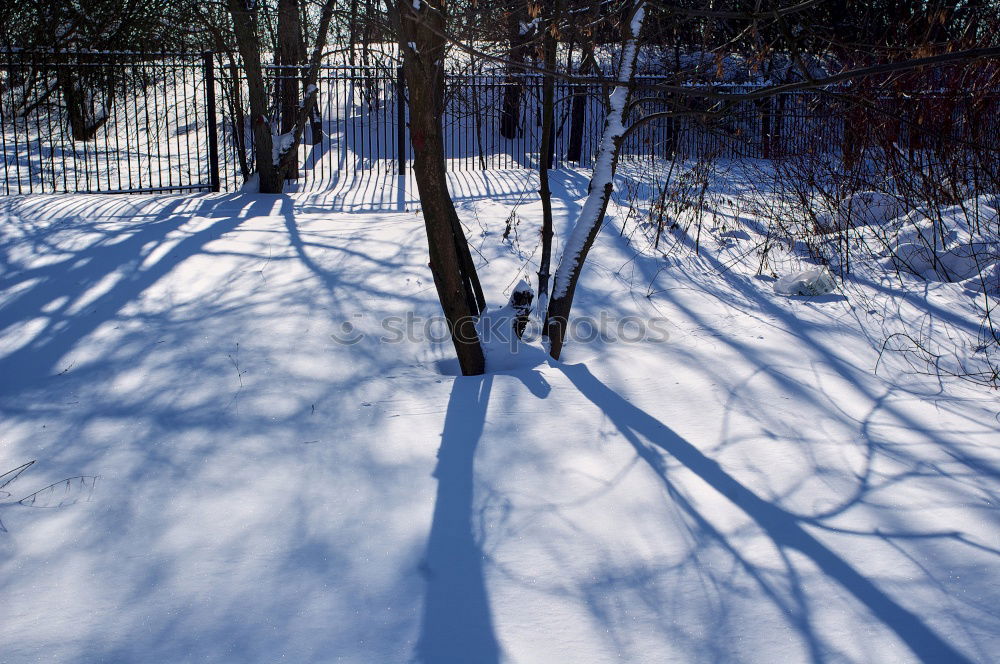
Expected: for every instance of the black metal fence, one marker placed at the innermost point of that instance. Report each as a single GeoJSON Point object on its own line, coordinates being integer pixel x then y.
{"type": "Point", "coordinates": [106, 122]}
{"type": "Point", "coordinates": [135, 122]}
{"type": "Point", "coordinates": [356, 125]}
{"type": "Point", "coordinates": [361, 110]}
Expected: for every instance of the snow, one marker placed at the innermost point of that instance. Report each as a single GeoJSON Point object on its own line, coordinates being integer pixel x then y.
{"type": "Point", "coordinates": [280, 144]}
{"type": "Point", "coordinates": [863, 208]}
{"type": "Point", "coordinates": [986, 282]}
{"type": "Point", "coordinates": [747, 490]}
{"type": "Point", "coordinates": [529, 27]}
{"type": "Point", "coordinates": [635, 26]}
{"type": "Point", "coordinates": [40, 157]}
{"type": "Point", "coordinates": [946, 247]}
{"type": "Point", "coordinates": [503, 350]}
{"type": "Point", "coordinates": [310, 91]}
{"type": "Point", "coordinates": [160, 141]}
{"type": "Point", "coordinates": [251, 185]}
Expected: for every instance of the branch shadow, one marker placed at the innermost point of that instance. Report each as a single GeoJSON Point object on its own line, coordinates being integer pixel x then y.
{"type": "Point", "coordinates": [64, 290]}
{"type": "Point", "coordinates": [652, 439]}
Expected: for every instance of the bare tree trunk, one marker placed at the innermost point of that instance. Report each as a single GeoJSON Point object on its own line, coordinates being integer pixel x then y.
{"type": "Point", "coordinates": [580, 94]}
{"type": "Point", "coordinates": [245, 28]}
{"type": "Point", "coordinates": [352, 33]}
{"type": "Point", "coordinates": [546, 157]}
{"type": "Point", "coordinates": [85, 118]}
{"type": "Point", "coordinates": [588, 224]}
{"type": "Point", "coordinates": [765, 111]}
{"type": "Point", "coordinates": [306, 108]}
{"type": "Point", "coordinates": [272, 164]}
{"type": "Point", "coordinates": [421, 26]}
{"type": "Point", "coordinates": [519, 36]}
{"type": "Point", "coordinates": [577, 118]}
{"type": "Point", "coordinates": [291, 55]}
{"type": "Point", "coordinates": [231, 90]}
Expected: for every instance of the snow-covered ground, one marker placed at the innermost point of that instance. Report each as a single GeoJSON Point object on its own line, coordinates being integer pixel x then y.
{"type": "Point", "coordinates": [280, 476]}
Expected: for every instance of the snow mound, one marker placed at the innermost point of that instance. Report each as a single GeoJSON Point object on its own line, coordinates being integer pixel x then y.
{"type": "Point", "coordinates": [252, 185]}
{"type": "Point", "coordinates": [280, 144]}
{"type": "Point", "coordinates": [503, 349]}
{"type": "Point", "coordinates": [986, 282]}
{"type": "Point", "coordinates": [955, 264]}
{"type": "Point", "coordinates": [865, 208]}
{"type": "Point", "coordinates": [957, 245]}
{"type": "Point", "coordinates": [817, 281]}
{"type": "Point", "coordinates": [917, 229]}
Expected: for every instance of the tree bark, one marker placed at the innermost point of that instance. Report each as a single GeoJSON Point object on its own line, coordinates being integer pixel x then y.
{"type": "Point", "coordinates": [422, 44]}
{"type": "Point", "coordinates": [591, 217]}
{"type": "Point", "coordinates": [581, 92]}
{"type": "Point", "coordinates": [574, 151]}
{"type": "Point", "coordinates": [513, 91]}
{"type": "Point", "coordinates": [81, 109]}
{"type": "Point", "coordinates": [291, 56]}
{"type": "Point", "coordinates": [271, 167]}
{"type": "Point", "coordinates": [547, 154]}
{"type": "Point", "coordinates": [245, 29]}
{"type": "Point", "coordinates": [306, 108]}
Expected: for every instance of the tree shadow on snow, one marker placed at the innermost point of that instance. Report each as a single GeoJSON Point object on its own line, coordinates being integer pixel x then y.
{"type": "Point", "coordinates": [653, 441]}
{"type": "Point", "coordinates": [817, 349]}
{"type": "Point", "coordinates": [457, 620]}
{"type": "Point", "coordinates": [63, 291]}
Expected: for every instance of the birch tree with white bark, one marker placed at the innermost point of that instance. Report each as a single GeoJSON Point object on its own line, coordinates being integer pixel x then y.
{"type": "Point", "coordinates": [588, 223]}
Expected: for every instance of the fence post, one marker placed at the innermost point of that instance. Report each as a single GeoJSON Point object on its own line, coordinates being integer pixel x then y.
{"type": "Point", "coordinates": [213, 132]}
{"type": "Point", "coordinates": [400, 120]}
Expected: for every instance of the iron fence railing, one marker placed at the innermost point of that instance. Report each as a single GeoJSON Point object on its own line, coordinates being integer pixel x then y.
{"type": "Point", "coordinates": [141, 122]}
{"type": "Point", "coordinates": [105, 122]}
{"type": "Point", "coordinates": [361, 110]}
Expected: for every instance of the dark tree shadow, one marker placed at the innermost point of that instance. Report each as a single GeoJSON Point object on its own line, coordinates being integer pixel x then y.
{"type": "Point", "coordinates": [457, 622]}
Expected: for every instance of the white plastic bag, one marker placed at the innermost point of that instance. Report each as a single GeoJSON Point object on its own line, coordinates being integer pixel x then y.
{"type": "Point", "coordinates": [816, 281]}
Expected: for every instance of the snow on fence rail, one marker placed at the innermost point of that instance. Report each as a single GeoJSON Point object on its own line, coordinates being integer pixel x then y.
{"type": "Point", "coordinates": [130, 122]}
